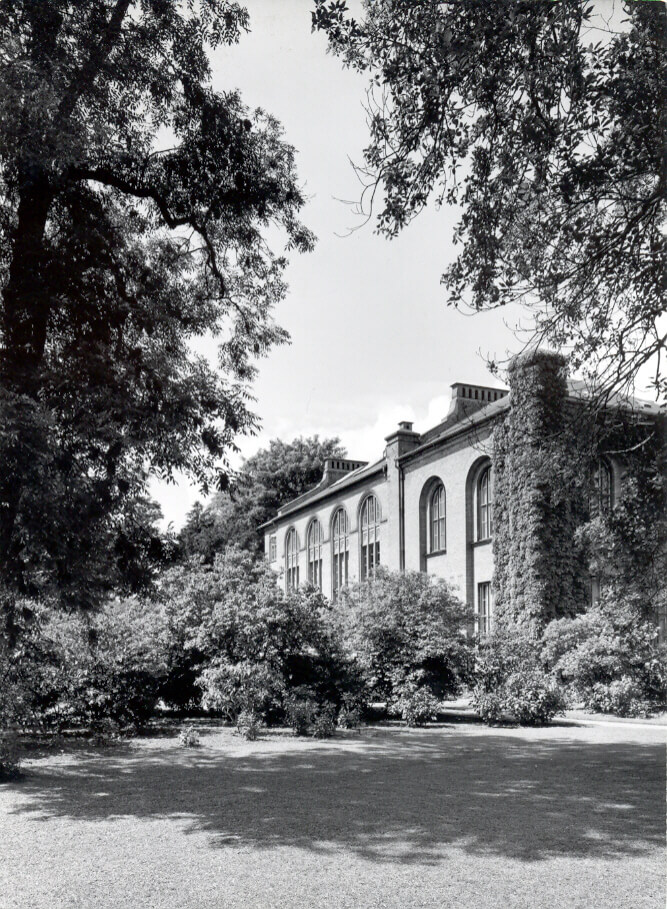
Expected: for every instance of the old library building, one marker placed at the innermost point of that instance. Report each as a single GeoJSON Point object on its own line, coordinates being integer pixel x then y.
{"type": "Point", "coordinates": [430, 503]}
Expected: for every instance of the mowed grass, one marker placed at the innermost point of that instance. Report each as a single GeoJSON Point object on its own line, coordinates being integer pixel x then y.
{"type": "Point", "coordinates": [388, 818]}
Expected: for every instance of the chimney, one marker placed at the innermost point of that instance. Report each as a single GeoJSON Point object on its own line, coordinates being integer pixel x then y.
{"type": "Point", "coordinates": [467, 399]}
{"type": "Point", "coordinates": [402, 440]}
{"type": "Point", "coordinates": [335, 468]}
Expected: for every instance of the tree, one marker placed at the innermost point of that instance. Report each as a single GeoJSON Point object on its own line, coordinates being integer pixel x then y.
{"type": "Point", "coordinates": [407, 630]}
{"type": "Point", "coordinates": [551, 146]}
{"type": "Point", "coordinates": [265, 482]}
{"type": "Point", "coordinates": [133, 205]}
{"type": "Point", "coordinates": [232, 629]}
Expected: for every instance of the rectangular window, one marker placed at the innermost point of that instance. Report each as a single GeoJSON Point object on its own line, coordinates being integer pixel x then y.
{"type": "Point", "coordinates": [315, 573]}
{"type": "Point", "coordinates": [340, 569]}
{"type": "Point", "coordinates": [273, 548]}
{"type": "Point", "coordinates": [484, 608]}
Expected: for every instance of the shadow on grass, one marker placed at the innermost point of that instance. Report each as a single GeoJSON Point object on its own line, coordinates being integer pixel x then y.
{"type": "Point", "coordinates": [387, 796]}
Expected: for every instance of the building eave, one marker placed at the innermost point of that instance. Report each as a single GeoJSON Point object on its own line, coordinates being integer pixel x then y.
{"type": "Point", "coordinates": [318, 495]}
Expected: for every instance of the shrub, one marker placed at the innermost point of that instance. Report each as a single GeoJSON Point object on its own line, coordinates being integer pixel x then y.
{"type": "Point", "coordinates": [349, 717]}
{"type": "Point", "coordinates": [233, 614]}
{"type": "Point", "coordinates": [10, 761]}
{"type": "Point", "coordinates": [249, 724]}
{"type": "Point", "coordinates": [609, 644]}
{"type": "Point", "coordinates": [234, 688]}
{"type": "Point", "coordinates": [401, 625]}
{"type": "Point", "coordinates": [488, 705]}
{"type": "Point", "coordinates": [72, 670]}
{"type": "Point", "coordinates": [189, 738]}
{"type": "Point", "coordinates": [324, 723]}
{"type": "Point", "coordinates": [623, 697]}
{"type": "Point", "coordinates": [532, 697]}
{"type": "Point", "coordinates": [417, 706]}
{"type": "Point", "coordinates": [512, 683]}
{"type": "Point", "coordinates": [300, 710]}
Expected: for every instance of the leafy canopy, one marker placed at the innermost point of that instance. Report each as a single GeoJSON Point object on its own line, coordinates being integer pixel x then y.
{"type": "Point", "coordinates": [546, 128]}
{"type": "Point", "coordinates": [134, 204]}
{"type": "Point", "coordinates": [265, 482]}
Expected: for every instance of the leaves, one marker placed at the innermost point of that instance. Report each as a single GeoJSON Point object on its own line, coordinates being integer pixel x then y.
{"type": "Point", "coordinates": [134, 201]}
{"type": "Point", "coordinates": [550, 145]}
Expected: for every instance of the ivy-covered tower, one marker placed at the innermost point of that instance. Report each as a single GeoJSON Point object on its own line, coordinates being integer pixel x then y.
{"type": "Point", "coordinates": [539, 573]}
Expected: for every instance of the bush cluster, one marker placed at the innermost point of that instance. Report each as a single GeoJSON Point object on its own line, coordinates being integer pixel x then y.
{"type": "Point", "coordinates": [225, 638]}
{"type": "Point", "coordinates": [511, 682]}
{"type": "Point", "coordinates": [74, 671]}
{"type": "Point", "coordinates": [608, 659]}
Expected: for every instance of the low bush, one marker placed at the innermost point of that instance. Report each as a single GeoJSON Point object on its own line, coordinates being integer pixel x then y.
{"type": "Point", "coordinates": [349, 717]}
{"type": "Point", "coordinates": [244, 687]}
{"type": "Point", "coordinates": [308, 716]}
{"type": "Point", "coordinates": [324, 723]}
{"type": "Point", "coordinates": [609, 657]}
{"type": "Point", "coordinates": [189, 738]}
{"type": "Point", "coordinates": [249, 724]}
{"type": "Point", "coordinates": [511, 682]}
{"type": "Point", "coordinates": [488, 705]}
{"type": "Point", "coordinates": [10, 760]}
{"type": "Point", "coordinates": [300, 710]}
{"type": "Point", "coordinates": [532, 697]}
{"type": "Point", "coordinates": [623, 697]}
{"type": "Point", "coordinates": [417, 706]}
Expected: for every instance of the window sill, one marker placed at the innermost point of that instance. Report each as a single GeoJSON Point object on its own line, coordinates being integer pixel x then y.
{"type": "Point", "coordinates": [484, 542]}
{"type": "Point", "coordinates": [438, 552]}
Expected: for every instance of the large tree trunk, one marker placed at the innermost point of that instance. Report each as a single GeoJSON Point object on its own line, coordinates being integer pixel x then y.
{"type": "Point", "coordinates": [26, 298]}
{"type": "Point", "coordinates": [25, 316]}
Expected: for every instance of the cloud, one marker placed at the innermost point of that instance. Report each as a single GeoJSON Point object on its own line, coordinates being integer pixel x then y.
{"type": "Point", "coordinates": [364, 442]}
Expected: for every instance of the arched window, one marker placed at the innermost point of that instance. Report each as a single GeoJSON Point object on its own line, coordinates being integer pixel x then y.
{"type": "Point", "coordinates": [314, 546]}
{"type": "Point", "coordinates": [485, 504]}
{"type": "Point", "coordinates": [437, 520]}
{"type": "Point", "coordinates": [601, 498]}
{"type": "Point", "coordinates": [291, 559]}
{"type": "Point", "coordinates": [340, 544]}
{"type": "Point", "coordinates": [370, 536]}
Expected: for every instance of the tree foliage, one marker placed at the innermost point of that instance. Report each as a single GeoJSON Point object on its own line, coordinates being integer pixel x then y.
{"type": "Point", "coordinates": [76, 670]}
{"type": "Point", "coordinates": [407, 631]}
{"type": "Point", "coordinates": [234, 634]}
{"type": "Point", "coordinates": [134, 203]}
{"type": "Point", "coordinates": [265, 482]}
{"type": "Point", "coordinates": [546, 126]}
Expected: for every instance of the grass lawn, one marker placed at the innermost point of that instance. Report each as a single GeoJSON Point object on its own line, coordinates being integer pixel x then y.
{"type": "Point", "coordinates": [451, 816]}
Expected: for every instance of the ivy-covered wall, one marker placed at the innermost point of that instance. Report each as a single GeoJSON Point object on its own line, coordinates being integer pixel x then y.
{"type": "Point", "coordinates": [540, 571]}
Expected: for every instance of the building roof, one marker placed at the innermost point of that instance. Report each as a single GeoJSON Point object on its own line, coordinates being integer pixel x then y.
{"type": "Point", "coordinates": [319, 492]}
{"type": "Point", "coordinates": [454, 424]}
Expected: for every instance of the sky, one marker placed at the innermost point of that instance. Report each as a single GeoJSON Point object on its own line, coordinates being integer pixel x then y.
{"type": "Point", "coordinates": [372, 339]}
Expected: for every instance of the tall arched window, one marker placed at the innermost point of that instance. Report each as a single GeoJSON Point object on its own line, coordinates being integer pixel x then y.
{"type": "Point", "coordinates": [485, 504]}
{"type": "Point", "coordinates": [370, 536]}
{"type": "Point", "coordinates": [340, 544]}
{"type": "Point", "coordinates": [601, 498]}
{"type": "Point", "coordinates": [314, 546]}
{"type": "Point", "coordinates": [291, 559]}
{"type": "Point", "coordinates": [437, 519]}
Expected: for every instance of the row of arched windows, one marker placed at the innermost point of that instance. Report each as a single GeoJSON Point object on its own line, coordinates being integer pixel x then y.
{"type": "Point", "coordinates": [370, 519]}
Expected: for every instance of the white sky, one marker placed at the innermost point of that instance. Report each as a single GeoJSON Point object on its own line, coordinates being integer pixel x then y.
{"type": "Point", "coordinates": [373, 341]}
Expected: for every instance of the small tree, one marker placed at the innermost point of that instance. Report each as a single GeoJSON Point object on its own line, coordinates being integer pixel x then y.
{"type": "Point", "coordinates": [407, 631]}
